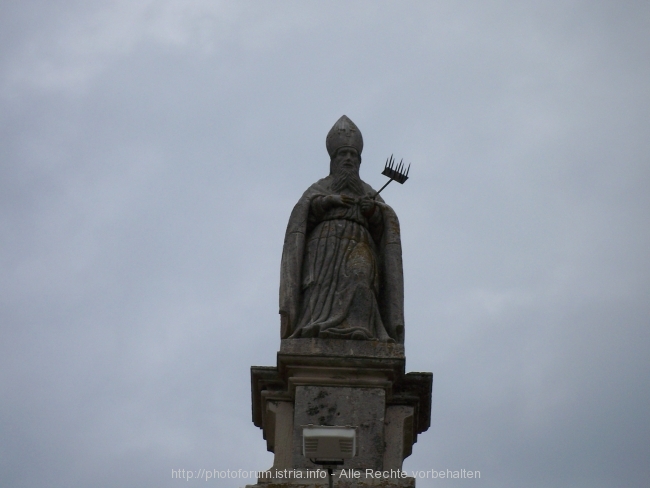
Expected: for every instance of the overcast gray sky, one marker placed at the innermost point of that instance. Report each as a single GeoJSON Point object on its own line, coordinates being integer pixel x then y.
{"type": "Point", "coordinates": [150, 155]}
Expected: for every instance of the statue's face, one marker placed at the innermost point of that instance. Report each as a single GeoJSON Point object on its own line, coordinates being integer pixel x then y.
{"type": "Point", "coordinates": [347, 158]}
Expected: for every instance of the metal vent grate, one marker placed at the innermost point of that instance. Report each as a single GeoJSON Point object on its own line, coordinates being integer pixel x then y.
{"type": "Point", "coordinates": [311, 446]}
{"type": "Point", "coordinates": [346, 446]}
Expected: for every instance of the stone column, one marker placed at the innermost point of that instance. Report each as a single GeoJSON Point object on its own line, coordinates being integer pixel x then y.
{"type": "Point", "coordinates": [335, 382]}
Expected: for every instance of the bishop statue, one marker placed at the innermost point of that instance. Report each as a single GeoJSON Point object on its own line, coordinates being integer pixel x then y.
{"type": "Point", "coordinates": [341, 274]}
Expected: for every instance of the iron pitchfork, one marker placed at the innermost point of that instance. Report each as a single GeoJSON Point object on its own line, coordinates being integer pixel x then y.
{"type": "Point", "coordinates": [394, 172]}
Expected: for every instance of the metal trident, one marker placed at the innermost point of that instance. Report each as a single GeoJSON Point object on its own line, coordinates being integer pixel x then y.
{"type": "Point", "coordinates": [394, 172]}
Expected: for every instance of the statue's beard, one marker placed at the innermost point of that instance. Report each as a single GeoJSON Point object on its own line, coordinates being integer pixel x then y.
{"type": "Point", "coordinates": [347, 179]}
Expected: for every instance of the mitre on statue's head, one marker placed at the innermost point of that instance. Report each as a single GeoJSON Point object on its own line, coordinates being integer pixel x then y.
{"type": "Point", "coordinates": [344, 133]}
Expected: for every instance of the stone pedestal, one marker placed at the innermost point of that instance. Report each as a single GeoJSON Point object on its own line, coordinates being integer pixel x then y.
{"type": "Point", "coordinates": [345, 383]}
{"type": "Point", "coordinates": [338, 483]}
{"type": "Point", "coordinates": [362, 408]}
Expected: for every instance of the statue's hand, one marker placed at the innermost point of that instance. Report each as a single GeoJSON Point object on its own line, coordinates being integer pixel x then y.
{"type": "Point", "coordinates": [340, 200]}
{"type": "Point", "coordinates": [367, 206]}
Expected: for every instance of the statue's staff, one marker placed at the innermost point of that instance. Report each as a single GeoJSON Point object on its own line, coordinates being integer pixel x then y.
{"type": "Point", "coordinates": [394, 172]}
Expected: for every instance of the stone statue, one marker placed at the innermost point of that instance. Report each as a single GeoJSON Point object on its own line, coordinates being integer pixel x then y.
{"type": "Point", "coordinates": [341, 274]}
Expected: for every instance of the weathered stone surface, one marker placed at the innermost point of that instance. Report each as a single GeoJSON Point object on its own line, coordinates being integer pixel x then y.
{"type": "Point", "coordinates": [385, 479]}
{"type": "Point", "coordinates": [344, 369]}
{"type": "Point", "coordinates": [362, 408]}
{"type": "Point", "coordinates": [398, 435]}
{"type": "Point", "coordinates": [341, 348]}
{"type": "Point", "coordinates": [331, 362]}
{"type": "Point", "coordinates": [402, 483]}
{"type": "Point", "coordinates": [280, 432]}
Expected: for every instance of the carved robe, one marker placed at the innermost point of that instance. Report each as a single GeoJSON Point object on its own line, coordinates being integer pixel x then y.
{"type": "Point", "coordinates": [341, 274]}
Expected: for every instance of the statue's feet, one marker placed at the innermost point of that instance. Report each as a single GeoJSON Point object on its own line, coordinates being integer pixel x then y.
{"type": "Point", "coordinates": [358, 336]}
{"type": "Point", "coordinates": [310, 331]}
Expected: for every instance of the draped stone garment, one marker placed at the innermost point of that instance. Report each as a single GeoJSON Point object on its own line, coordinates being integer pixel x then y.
{"type": "Point", "coordinates": [341, 274]}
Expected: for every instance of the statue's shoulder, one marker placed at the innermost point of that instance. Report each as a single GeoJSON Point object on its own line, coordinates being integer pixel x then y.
{"type": "Point", "coordinates": [367, 188]}
{"type": "Point", "coordinates": [321, 186]}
